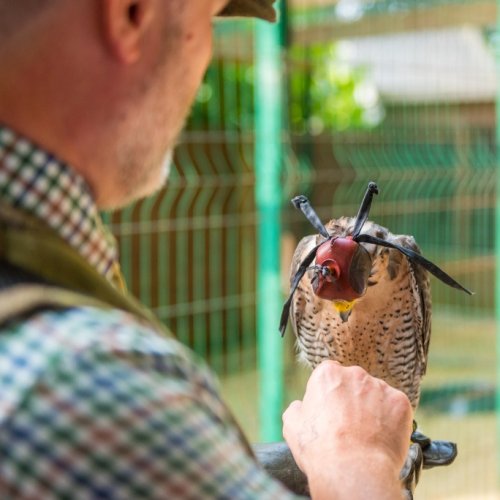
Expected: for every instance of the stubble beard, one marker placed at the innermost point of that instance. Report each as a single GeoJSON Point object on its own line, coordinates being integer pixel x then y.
{"type": "Point", "coordinates": [146, 161]}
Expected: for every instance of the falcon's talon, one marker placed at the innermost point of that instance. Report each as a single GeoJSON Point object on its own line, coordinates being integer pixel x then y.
{"type": "Point", "coordinates": [439, 453]}
{"type": "Point", "coordinates": [420, 439]}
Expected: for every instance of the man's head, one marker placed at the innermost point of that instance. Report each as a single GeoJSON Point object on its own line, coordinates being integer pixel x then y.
{"type": "Point", "coordinates": [107, 84]}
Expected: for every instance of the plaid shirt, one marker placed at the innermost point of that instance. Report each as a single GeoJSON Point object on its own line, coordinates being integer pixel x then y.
{"type": "Point", "coordinates": [93, 404]}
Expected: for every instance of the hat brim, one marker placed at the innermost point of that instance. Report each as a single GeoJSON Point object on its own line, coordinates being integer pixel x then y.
{"type": "Point", "coordinates": [262, 9]}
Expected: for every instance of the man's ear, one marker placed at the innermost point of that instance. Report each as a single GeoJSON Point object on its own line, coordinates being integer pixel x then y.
{"type": "Point", "coordinates": [125, 23]}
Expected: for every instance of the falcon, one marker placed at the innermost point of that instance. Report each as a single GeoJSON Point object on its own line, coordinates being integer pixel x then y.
{"type": "Point", "coordinates": [360, 295]}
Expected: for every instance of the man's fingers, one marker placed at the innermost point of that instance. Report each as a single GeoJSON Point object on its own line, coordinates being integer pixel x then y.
{"type": "Point", "coordinates": [292, 412]}
{"type": "Point", "coordinates": [292, 425]}
{"type": "Point", "coordinates": [291, 421]}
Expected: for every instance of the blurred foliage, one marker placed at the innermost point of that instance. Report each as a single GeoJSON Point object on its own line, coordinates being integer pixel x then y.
{"type": "Point", "coordinates": [325, 94]}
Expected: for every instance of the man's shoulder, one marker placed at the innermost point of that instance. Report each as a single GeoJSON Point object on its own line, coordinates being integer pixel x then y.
{"type": "Point", "coordinates": [83, 327]}
{"type": "Point", "coordinates": [40, 342]}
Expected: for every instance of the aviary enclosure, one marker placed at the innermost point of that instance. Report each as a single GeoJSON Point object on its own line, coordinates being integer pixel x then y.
{"type": "Point", "coordinates": [402, 92]}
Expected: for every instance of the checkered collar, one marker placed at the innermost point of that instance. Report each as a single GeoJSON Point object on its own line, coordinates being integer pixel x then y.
{"type": "Point", "coordinates": [35, 181]}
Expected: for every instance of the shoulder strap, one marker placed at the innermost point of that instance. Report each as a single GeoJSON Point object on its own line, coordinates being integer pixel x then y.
{"type": "Point", "coordinates": [35, 255]}
{"type": "Point", "coordinates": [22, 299]}
{"type": "Point", "coordinates": [12, 275]}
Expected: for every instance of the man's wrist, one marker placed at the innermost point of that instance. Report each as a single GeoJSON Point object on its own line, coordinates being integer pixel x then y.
{"type": "Point", "coordinates": [354, 476]}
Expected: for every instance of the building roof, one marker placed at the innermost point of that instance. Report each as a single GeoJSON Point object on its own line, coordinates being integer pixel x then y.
{"type": "Point", "coordinates": [448, 65]}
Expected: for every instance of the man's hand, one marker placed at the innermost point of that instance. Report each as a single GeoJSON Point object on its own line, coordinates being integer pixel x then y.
{"type": "Point", "coordinates": [350, 434]}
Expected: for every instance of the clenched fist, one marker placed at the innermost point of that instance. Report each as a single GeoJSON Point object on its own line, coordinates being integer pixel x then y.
{"type": "Point", "coordinates": [350, 434]}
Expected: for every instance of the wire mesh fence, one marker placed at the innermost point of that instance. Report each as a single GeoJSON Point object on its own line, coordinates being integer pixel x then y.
{"type": "Point", "coordinates": [400, 92]}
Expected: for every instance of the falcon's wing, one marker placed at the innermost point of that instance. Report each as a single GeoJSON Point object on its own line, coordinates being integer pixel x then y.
{"type": "Point", "coordinates": [420, 289]}
{"type": "Point", "coordinates": [305, 245]}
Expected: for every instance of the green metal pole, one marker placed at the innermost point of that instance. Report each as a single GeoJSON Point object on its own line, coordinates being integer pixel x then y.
{"type": "Point", "coordinates": [497, 236]}
{"type": "Point", "coordinates": [268, 161]}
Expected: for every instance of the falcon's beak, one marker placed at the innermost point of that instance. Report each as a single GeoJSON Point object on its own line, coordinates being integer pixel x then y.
{"type": "Point", "coordinates": [344, 308]}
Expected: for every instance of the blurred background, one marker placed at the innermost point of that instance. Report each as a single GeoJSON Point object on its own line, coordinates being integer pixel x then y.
{"type": "Point", "coordinates": [338, 93]}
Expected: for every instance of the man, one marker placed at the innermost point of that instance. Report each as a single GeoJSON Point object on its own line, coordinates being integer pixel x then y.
{"type": "Point", "coordinates": [94, 403]}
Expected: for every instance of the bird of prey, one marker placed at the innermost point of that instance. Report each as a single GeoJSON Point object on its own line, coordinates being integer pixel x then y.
{"type": "Point", "coordinates": [360, 295]}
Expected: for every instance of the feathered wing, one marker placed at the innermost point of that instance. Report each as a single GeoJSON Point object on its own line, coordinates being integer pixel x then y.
{"type": "Point", "coordinates": [409, 317]}
{"type": "Point", "coordinates": [421, 291]}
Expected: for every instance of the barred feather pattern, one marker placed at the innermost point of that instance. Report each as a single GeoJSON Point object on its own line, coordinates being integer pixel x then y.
{"type": "Point", "coordinates": [389, 328]}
